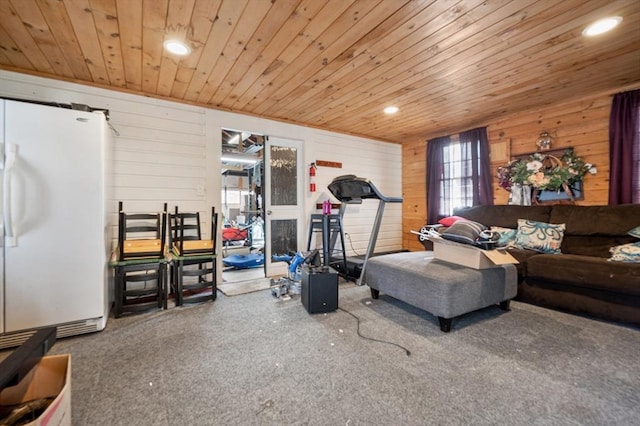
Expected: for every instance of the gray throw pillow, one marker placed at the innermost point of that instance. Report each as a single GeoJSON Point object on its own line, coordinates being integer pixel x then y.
{"type": "Point", "coordinates": [464, 231]}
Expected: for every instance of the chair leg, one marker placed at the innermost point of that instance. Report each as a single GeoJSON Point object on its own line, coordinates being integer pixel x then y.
{"type": "Point", "coordinates": [214, 280]}
{"type": "Point", "coordinates": [160, 290]}
{"type": "Point", "coordinates": [119, 292]}
{"type": "Point", "coordinates": [172, 281]}
{"type": "Point", "coordinates": [175, 271]}
{"type": "Point", "coordinates": [179, 282]}
{"type": "Point", "coordinates": [165, 285]}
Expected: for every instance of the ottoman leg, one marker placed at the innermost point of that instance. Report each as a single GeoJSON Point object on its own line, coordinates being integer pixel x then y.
{"type": "Point", "coordinates": [505, 305]}
{"type": "Point", "coordinates": [375, 294]}
{"type": "Point", "coordinates": [445, 324]}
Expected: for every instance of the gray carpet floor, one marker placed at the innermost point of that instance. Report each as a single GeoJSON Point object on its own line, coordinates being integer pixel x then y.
{"type": "Point", "coordinates": [256, 360]}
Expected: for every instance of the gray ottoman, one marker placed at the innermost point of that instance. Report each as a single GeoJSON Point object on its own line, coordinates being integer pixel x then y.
{"type": "Point", "coordinates": [443, 289]}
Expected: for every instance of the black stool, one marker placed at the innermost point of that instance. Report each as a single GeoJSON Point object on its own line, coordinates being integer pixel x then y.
{"type": "Point", "coordinates": [330, 227]}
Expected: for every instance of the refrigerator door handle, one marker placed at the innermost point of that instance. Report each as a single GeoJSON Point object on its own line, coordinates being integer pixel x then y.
{"type": "Point", "coordinates": [10, 159]}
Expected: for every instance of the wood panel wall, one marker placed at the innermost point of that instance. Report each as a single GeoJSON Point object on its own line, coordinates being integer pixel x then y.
{"type": "Point", "coordinates": [414, 192]}
{"type": "Point", "coordinates": [583, 125]}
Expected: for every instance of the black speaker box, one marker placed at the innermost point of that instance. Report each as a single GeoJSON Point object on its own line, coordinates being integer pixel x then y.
{"type": "Point", "coordinates": [319, 289]}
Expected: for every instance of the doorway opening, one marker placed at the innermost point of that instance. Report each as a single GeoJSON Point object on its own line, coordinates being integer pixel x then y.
{"type": "Point", "coordinates": [243, 230]}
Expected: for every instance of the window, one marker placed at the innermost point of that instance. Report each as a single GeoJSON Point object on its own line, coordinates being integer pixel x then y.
{"type": "Point", "coordinates": [234, 203]}
{"type": "Point", "coordinates": [456, 185]}
{"type": "Point", "coordinates": [458, 173]}
{"type": "Point", "coordinates": [230, 196]}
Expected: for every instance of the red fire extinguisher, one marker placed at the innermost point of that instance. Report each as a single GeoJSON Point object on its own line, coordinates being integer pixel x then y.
{"type": "Point", "coordinates": [312, 177]}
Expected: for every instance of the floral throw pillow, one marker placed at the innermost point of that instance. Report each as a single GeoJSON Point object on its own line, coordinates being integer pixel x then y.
{"type": "Point", "coordinates": [635, 232]}
{"type": "Point", "coordinates": [626, 253]}
{"type": "Point", "coordinates": [507, 236]}
{"type": "Point", "coordinates": [540, 236]}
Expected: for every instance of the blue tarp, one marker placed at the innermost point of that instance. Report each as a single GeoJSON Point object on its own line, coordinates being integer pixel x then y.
{"type": "Point", "coordinates": [244, 261]}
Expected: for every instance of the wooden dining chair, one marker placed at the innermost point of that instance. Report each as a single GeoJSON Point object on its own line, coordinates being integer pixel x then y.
{"type": "Point", "coordinates": [193, 267]}
{"type": "Point", "coordinates": [140, 267]}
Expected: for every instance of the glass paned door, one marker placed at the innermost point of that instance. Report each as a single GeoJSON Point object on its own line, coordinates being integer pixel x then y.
{"type": "Point", "coordinates": [283, 206]}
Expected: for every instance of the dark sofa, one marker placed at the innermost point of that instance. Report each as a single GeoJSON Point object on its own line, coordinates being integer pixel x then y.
{"type": "Point", "coordinates": [581, 279]}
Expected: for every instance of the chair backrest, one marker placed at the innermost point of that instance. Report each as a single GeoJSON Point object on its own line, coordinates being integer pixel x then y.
{"type": "Point", "coordinates": [186, 235]}
{"type": "Point", "coordinates": [184, 227]}
{"type": "Point", "coordinates": [141, 235]}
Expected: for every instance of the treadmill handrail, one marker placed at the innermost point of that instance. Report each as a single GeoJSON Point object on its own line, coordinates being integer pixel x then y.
{"type": "Point", "coordinates": [393, 200]}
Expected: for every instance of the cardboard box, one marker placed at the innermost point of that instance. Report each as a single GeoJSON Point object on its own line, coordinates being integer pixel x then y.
{"type": "Point", "coordinates": [50, 378]}
{"type": "Point", "coordinates": [468, 255]}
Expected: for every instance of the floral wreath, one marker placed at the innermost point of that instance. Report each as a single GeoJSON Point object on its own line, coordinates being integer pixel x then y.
{"type": "Point", "coordinates": [545, 172]}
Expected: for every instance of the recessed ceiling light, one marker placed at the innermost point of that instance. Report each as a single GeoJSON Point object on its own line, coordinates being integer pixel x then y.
{"type": "Point", "coordinates": [177, 47]}
{"type": "Point", "coordinates": [602, 26]}
{"type": "Point", "coordinates": [391, 110]}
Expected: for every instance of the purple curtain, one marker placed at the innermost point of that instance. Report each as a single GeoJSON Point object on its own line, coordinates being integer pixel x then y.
{"type": "Point", "coordinates": [481, 172]}
{"type": "Point", "coordinates": [435, 173]}
{"type": "Point", "coordinates": [477, 147]}
{"type": "Point", "coordinates": [624, 149]}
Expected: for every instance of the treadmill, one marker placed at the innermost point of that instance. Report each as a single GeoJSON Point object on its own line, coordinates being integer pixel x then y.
{"type": "Point", "coordinates": [350, 189]}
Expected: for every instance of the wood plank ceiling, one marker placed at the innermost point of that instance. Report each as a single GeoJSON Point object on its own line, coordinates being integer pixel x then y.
{"type": "Point", "coordinates": [449, 65]}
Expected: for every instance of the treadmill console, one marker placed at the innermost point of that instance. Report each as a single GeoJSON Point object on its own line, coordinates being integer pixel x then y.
{"type": "Point", "coordinates": [351, 189]}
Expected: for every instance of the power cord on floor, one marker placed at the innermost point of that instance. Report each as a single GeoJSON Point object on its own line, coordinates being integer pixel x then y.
{"type": "Point", "coordinates": [407, 351]}
{"type": "Point", "coordinates": [351, 244]}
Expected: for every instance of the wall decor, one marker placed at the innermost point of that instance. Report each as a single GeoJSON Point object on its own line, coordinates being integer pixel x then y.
{"type": "Point", "coordinates": [553, 175]}
{"type": "Point", "coordinates": [544, 141]}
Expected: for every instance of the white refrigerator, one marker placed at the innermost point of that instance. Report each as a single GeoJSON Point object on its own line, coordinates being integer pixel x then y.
{"type": "Point", "coordinates": [54, 167]}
